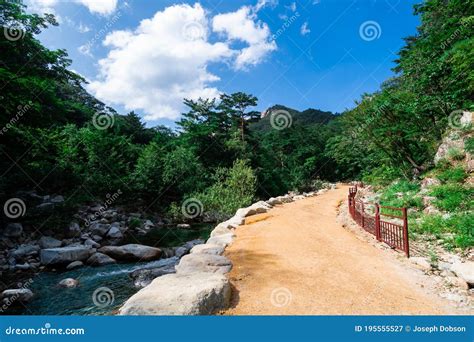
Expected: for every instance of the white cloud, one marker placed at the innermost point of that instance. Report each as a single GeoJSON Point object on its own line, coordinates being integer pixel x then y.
{"type": "Point", "coordinates": [242, 26]}
{"type": "Point", "coordinates": [165, 59]}
{"type": "Point", "coordinates": [102, 7]}
{"type": "Point", "coordinates": [304, 30]}
{"type": "Point", "coordinates": [292, 7]}
{"type": "Point", "coordinates": [82, 28]}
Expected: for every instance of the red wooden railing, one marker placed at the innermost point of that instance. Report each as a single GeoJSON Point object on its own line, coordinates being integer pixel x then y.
{"type": "Point", "coordinates": [393, 234]}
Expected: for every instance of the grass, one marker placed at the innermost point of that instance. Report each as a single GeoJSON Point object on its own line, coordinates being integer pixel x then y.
{"type": "Point", "coordinates": [469, 145]}
{"type": "Point", "coordinates": [402, 194]}
{"type": "Point", "coordinates": [455, 230]}
{"type": "Point", "coordinates": [452, 197]}
{"type": "Point", "coordinates": [453, 175]}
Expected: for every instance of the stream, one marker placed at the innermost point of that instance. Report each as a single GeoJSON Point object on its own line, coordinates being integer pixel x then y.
{"type": "Point", "coordinates": [50, 299]}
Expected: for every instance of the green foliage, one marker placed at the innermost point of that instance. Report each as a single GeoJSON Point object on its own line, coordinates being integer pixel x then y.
{"type": "Point", "coordinates": [402, 194]}
{"type": "Point", "coordinates": [469, 145]}
{"type": "Point", "coordinates": [455, 154]}
{"type": "Point", "coordinates": [233, 188]}
{"type": "Point", "coordinates": [456, 230]}
{"type": "Point", "coordinates": [453, 197]}
{"type": "Point", "coordinates": [453, 175]}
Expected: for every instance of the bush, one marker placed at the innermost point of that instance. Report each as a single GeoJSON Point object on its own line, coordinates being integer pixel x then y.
{"type": "Point", "coordinates": [452, 197]}
{"type": "Point", "coordinates": [402, 194]}
{"type": "Point", "coordinates": [233, 188]}
{"type": "Point", "coordinates": [455, 230]}
{"type": "Point", "coordinates": [455, 154]}
{"type": "Point", "coordinates": [469, 145]}
{"type": "Point", "coordinates": [454, 175]}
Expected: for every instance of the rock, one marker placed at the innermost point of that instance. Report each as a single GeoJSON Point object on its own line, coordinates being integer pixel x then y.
{"type": "Point", "coordinates": [285, 199]}
{"type": "Point", "coordinates": [22, 295]}
{"type": "Point", "coordinates": [168, 252]}
{"type": "Point", "coordinates": [99, 259]}
{"type": "Point", "coordinates": [200, 262]}
{"type": "Point", "coordinates": [429, 182]}
{"type": "Point", "coordinates": [73, 230]}
{"type": "Point", "coordinates": [74, 264]}
{"type": "Point", "coordinates": [220, 230]}
{"type": "Point", "coordinates": [97, 238]}
{"type": "Point", "coordinates": [208, 249]}
{"type": "Point", "coordinates": [69, 283]}
{"type": "Point", "coordinates": [143, 277]}
{"type": "Point", "coordinates": [427, 200]}
{"type": "Point", "coordinates": [465, 271]}
{"type": "Point", "coordinates": [57, 199]}
{"type": "Point", "coordinates": [65, 255]}
{"type": "Point", "coordinates": [421, 263]}
{"type": "Point", "coordinates": [25, 250]}
{"type": "Point", "coordinates": [114, 233]}
{"type": "Point", "coordinates": [13, 230]}
{"type": "Point", "coordinates": [23, 267]}
{"type": "Point", "coordinates": [430, 210]}
{"type": "Point", "coordinates": [99, 229]}
{"type": "Point", "coordinates": [49, 242]}
{"type": "Point", "coordinates": [451, 142]}
{"type": "Point", "coordinates": [184, 249]}
{"type": "Point", "coordinates": [48, 206]}
{"type": "Point", "coordinates": [274, 201]}
{"type": "Point", "coordinates": [181, 294]}
{"type": "Point", "coordinates": [183, 226]}
{"type": "Point", "coordinates": [91, 243]}
{"type": "Point", "coordinates": [221, 240]}
{"type": "Point", "coordinates": [298, 197]}
{"type": "Point", "coordinates": [457, 282]}
{"type": "Point", "coordinates": [133, 252]}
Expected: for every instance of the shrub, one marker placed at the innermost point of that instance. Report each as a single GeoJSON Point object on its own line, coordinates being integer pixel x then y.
{"type": "Point", "coordinates": [469, 145]}
{"type": "Point", "coordinates": [453, 175]}
{"type": "Point", "coordinates": [455, 154]}
{"type": "Point", "coordinates": [402, 194]}
{"type": "Point", "coordinates": [456, 230]}
{"type": "Point", "coordinates": [452, 197]}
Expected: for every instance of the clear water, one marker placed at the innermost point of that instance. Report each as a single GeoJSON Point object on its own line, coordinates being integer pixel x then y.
{"type": "Point", "coordinates": [50, 299]}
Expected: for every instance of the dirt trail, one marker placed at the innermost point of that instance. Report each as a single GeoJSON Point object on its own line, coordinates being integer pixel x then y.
{"type": "Point", "coordinates": [301, 261]}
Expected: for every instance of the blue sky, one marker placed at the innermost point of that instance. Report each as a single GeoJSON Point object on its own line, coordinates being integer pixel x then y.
{"type": "Point", "coordinates": [147, 55]}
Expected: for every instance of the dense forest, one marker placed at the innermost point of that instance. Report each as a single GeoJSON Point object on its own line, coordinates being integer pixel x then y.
{"type": "Point", "coordinates": [56, 138]}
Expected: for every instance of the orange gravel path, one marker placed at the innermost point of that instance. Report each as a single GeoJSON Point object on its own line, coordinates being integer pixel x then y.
{"type": "Point", "coordinates": [300, 261]}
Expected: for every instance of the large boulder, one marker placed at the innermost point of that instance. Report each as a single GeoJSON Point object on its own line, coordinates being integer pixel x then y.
{"type": "Point", "coordinates": [22, 295]}
{"type": "Point", "coordinates": [99, 259]}
{"type": "Point", "coordinates": [49, 242]}
{"type": "Point", "coordinates": [144, 276]}
{"type": "Point", "coordinates": [220, 230]}
{"type": "Point", "coordinates": [65, 255]}
{"type": "Point", "coordinates": [274, 201]}
{"type": "Point", "coordinates": [13, 230]}
{"type": "Point", "coordinates": [181, 294]}
{"type": "Point", "coordinates": [200, 262]}
{"type": "Point", "coordinates": [114, 233]}
{"type": "Point", "coordinates": [184, 249]}
{"type": "Point", "coordinates": [465, 271]}
{"type": "Point", "coordinates": [132, 252]}
{"type": "Point", "coordinates": [208, 249]}
{"type": "Point", "coordinates": [99, 229]}
{"type": "Point", "coordinates": [221, 240]}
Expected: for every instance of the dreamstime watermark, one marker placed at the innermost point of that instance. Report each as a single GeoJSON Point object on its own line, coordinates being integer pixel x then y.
{"type": "Point", "coordinates": [110, 199]}
{"type": "Point", "coordinates": [280, 119]}
{"type": "Point", "coordinates": [455, 35]}
{"type": "Point", "coordinates": [460, 118]}
{"type": "Point", "coordinates": [13, 33]}
{"type": "Point", "coordinates": [103, 297]}
{"type": "Point", "coordinates": [286, 25]}
{"type": "Point", "coordinates": [370, 30]}
{"type": "Point", "coordinates": [21, 110]}
{"type": "Point", "coordinates": [14, 208]}
{"type": "Point", "coordinates": [103, 121]}
{"type": "Point", "coordinates": [46, 330]}
{"type": "Point", "coordinates": [9, 300]}
{"type": "Point", "coordinates": [193, 31]}
{"type": "Point", "coordinates": [281, 297]}
{"type": "Point", "coordinates": [192, 208]}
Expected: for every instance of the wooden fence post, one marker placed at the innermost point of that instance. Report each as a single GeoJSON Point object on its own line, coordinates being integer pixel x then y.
{"type": "Point", "coordinates": [405, 232]}
{"type": "Point", "coordinates": [377, 222]}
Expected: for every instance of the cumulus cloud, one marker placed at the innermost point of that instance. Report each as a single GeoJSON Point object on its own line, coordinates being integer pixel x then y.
{"type": "Point", "coordinates": [243, 26]}
{"type": "Point", "coordinates": [166, 58]}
